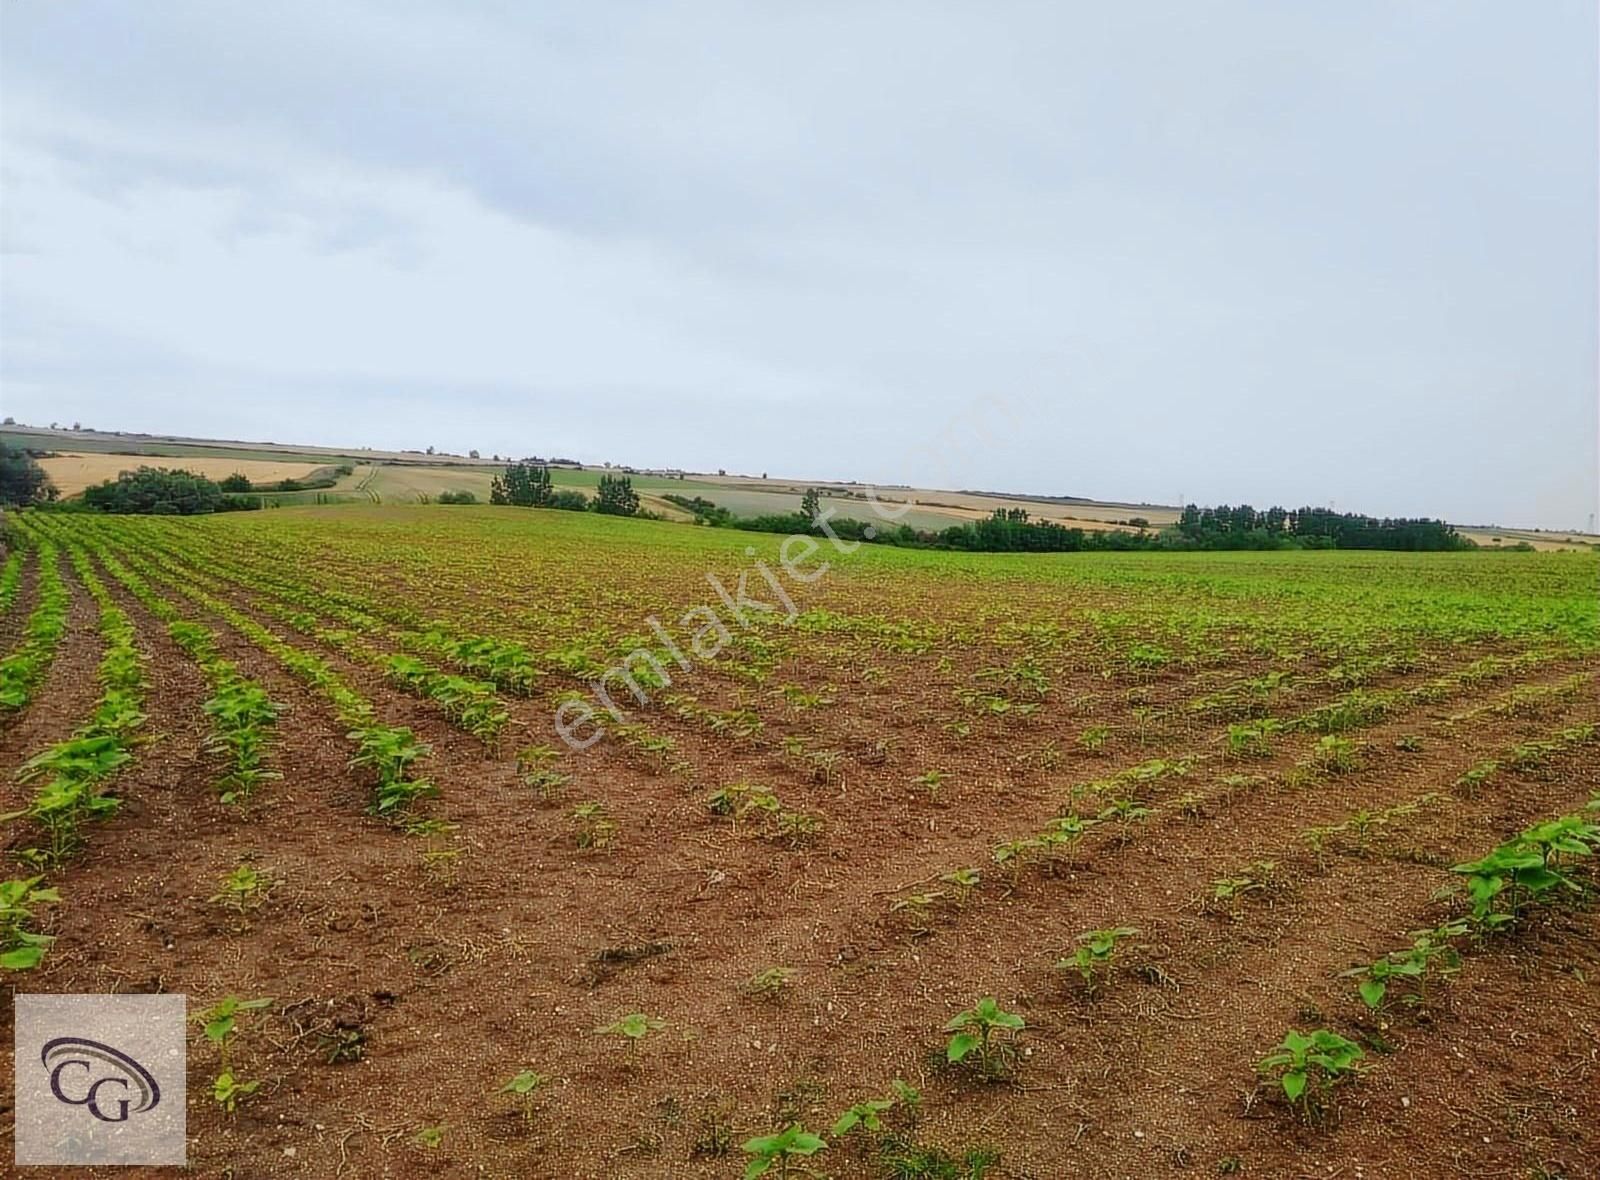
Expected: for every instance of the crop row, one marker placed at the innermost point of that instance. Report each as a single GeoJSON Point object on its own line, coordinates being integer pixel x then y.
{"type": "Point", "coordinates": [470, 704]}
{"type": "Point", "coordinates": [11, 579]}
{"type": "Point", "coordinates": [22, 671]}
{"type": "Point", "coordinates": [388, 751]}
{"type": "Point", "coordinates": [508, 665]}
{"type": "Point", "coordinates": [1532, 869]}
{"type": "Point", "coordinates": [76, 773]}
{"type": "Point", "coordinates": [467, 702]}
{"type": "Point", "coordinates": [240, 711]}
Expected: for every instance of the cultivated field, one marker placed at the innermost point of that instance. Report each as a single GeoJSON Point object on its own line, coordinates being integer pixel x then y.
{"type": "Point", "coordinates": [71, 473]}
{"type": "Point", "coordinates": [323, 772]}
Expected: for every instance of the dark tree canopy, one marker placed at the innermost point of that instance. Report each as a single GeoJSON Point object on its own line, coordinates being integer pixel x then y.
{"type": "Point", "coordinates": [525, 484]}
{"type": "Point", "coordinates": [156, 491]}
{"type": "Point", "coordinates": [616, 497]}
{"type": "Point", "coordinates": [22, 480]}
{"type": "Point", "coordinates": [1243, 527]}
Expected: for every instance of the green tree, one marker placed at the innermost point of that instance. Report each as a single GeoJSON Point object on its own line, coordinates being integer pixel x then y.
{"type": "Point", "coordinates": [811, 505]}
{"type": "Point", "coordinates": [616, 497]}
{"type": "Point", "coordinates": [22, 480]}
{"type": "Point", "coordinates": [539, 487]}
{"type": "Point", "coordinates": [525, 484]}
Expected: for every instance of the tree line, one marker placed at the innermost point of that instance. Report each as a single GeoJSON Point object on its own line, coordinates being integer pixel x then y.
{"type": "Point", "coordinates": [1243, 527]}
{"type": "Point", "coordinates": [1012, 530]}
{"type": "Point", "coordinates": [526, 484]}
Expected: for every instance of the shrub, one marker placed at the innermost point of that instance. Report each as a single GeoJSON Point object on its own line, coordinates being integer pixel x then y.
{"type": "Point", "coordinates": [22, 480]}
{"type": "Point", "coordinates": [461, 497]}
{"type": "Point", "coordinates": [156, 491]}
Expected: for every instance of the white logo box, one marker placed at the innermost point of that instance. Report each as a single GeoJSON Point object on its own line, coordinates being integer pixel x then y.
{"type": "Point", "coordinates": [100, 1079]}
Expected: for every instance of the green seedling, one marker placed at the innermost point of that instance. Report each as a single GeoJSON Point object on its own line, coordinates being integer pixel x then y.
{"type": "Point", "coordinates": [930, 781]}
{"type": "Point", "coordinates": [1526, 869]}
{"type": "Point", "coordinates": [20, 948]}
{"type": "Point", "coordinates": [769, 984]}
{"type": "Point", "coordinates": [548, 783]}
{"type": "Point", "coordinates": [1336, 754]}
{"type": "Point", "coordinates": [964, 881]}
{"type": "Point", "coordinates": [778, 1151]}
{"type": "Point", "coordinates": [974, 1032]}
{"type": "Point", "coordinates": [523, 1086]}
{"type": "Point", "coordinates": [796, 828]}
{"type": "Point", "coordinates": [1013, 856]}
{"type": "Point", "coordinates": [917, 910]}
{"type": "Point", "coordinates": [866, 1115]}
{"type": "Point", "coordinates": [1476, 775]}
{"type": "Point", "coordinates": [1252, 739]}
{"type": "Point", "coordinates": [1428, 948]}
{"type": "Point", "coordinates": [240, 713]}
{"type": "Point", "coordinates": [221, 1024]}
{"type": "Point", "coordinates": [633, 1029]}
{"type": "Point", "coordinates": [1093, 738]}
{"type": "Point", "coordinates": [228, 1091]}
{"type": "Point", "coordinates": [739, 801]}
{"type": "Point", "coordinates": [1126, 813]}
{"type": "Point", "coordinates": [1308, 1067]}
{"type": "Point", "coordinates": [823, 766]}
{"type": "Point", "coordinates": [1095, 955]}
{"type": "Point", "coordinates": [429, 1137]}
{"type": "Point", "coordinates": [596, 831]}
{"type": "Point", "coordinates": [390, 751]}
{"type": "Point", "coordinates": [243, 889]}
{"type": "Point", "coordinates": [1256, 878]}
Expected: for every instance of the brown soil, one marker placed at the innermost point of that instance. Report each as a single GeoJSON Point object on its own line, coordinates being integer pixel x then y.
{"type": "Point", "coordinates": [452, 976]}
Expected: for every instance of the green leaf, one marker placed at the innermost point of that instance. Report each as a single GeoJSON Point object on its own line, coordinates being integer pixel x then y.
{"type": "Point", "coordinates": [525, 1082]}
{"type": "Point", "coordinates": [805, 1143]}
{"type": "Point", "coordinates": [22, 959]}
{"type": "Point", "coordinates": [960, 1045]}
{"type": "Point", "coordinates": [1372, 991]}
{"type": "Point", "coordinates": [1294, 1083]}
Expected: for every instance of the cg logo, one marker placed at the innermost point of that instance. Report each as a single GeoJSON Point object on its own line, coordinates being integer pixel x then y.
{"type": "Point", "coordinates": [81, 1067]}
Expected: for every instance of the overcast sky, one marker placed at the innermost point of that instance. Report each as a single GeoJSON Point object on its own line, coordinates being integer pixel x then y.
{"type": "Point", "coordinates": [1270, 251]}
